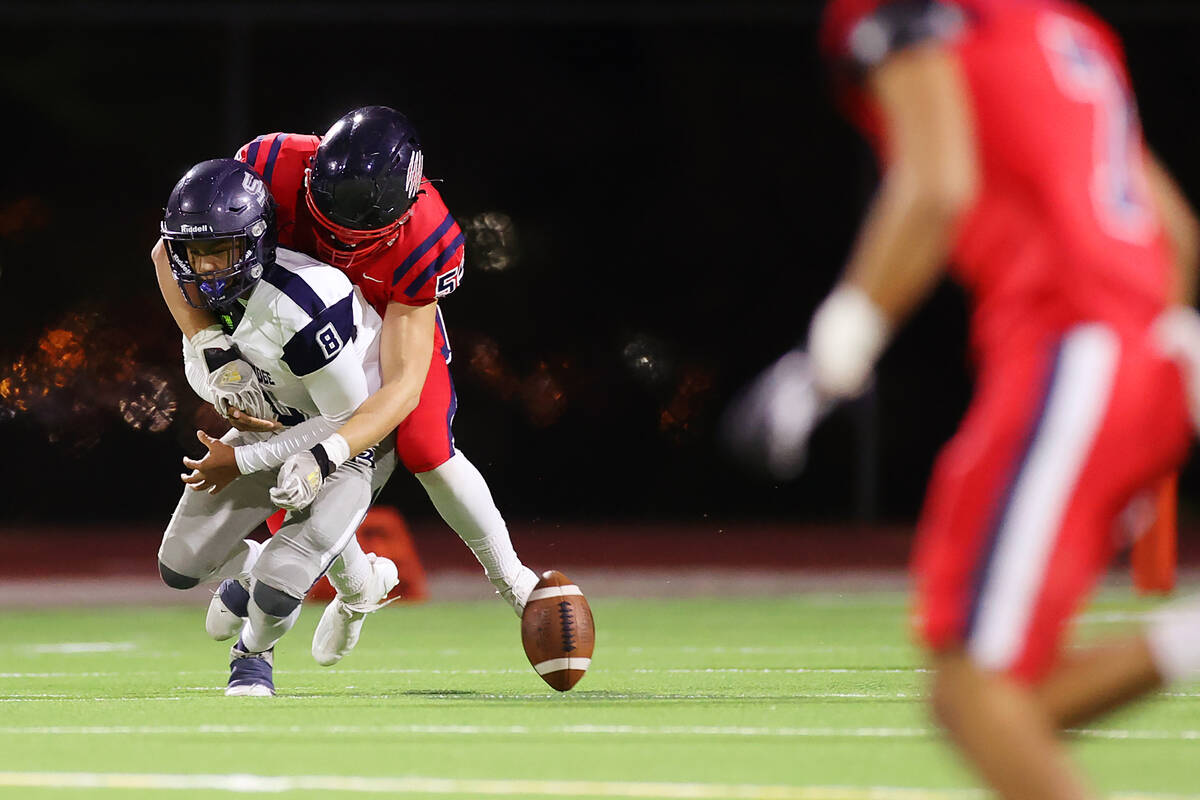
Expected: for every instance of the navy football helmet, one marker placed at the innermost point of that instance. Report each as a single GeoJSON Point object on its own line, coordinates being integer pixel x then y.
{"type": "Point", "coordinates": [363, 182]}
{"type": "Point", "coordinates": [217, 202]}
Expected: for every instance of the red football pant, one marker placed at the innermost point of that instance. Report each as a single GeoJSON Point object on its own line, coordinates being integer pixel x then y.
{"type": "Point", "coordinates": [424, 440]}
{"type": "Point", "coordinates": [1019, 520]}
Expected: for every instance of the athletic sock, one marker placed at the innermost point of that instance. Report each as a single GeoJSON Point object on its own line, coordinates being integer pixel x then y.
{"type": "Point", "coordinates": [461, 496]}
{"type": "Point", "coordinates": [262, 630]}
{"type": "Point", "coordinates": [350, 571]}
{"type": "Point", "coordinates": [240, 562]}
{"type": "Point", "coordinates": [1173, 636]}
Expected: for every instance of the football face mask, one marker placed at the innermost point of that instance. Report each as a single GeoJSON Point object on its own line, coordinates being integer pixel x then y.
{"type": "Point", "coordinates": [213, 273]}
{"type": "Point", "coordinates": [341, 245]}
{"type": "Point", "coordinates": [218, 270]}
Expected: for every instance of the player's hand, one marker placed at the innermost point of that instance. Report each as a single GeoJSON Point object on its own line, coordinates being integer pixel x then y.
{"type": "Point", "coordinates": [768, 425]}
{"type": "Point", "coordinates": [244, 422]}
{"type": "Point", "coordinates": [234, 385]}
{"type": "Point", "coordinates": [216, 470]}
{"type": "Point", "coordinates": [298, 483]}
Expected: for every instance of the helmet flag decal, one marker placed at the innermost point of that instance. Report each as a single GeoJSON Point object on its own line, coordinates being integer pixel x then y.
{"type": "Point", "coordinates": [416, 166]}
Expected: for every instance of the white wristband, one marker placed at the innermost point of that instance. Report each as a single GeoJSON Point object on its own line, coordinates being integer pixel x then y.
{"type": "Point", "coordinates": [847, 334]}
{"type": "Point", "coordinates": [337, 449]}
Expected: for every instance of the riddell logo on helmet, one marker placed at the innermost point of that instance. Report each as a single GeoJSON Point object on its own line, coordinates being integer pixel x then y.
{"type": "Point", "coordinates": [193, 228]}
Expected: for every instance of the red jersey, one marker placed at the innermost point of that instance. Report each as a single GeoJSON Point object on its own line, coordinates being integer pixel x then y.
{"type": "Point", "coordinates": [1063, 229]}
{"type": "Point", "coordinates": [423, 263]}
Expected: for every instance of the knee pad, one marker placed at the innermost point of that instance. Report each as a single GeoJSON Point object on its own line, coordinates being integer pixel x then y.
{"type": "Point", "coordinates": [274, 602]}
{"type": "Point", "coordinates": [174, 579]}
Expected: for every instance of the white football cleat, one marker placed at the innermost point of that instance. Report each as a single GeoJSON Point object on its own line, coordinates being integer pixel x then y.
{"type": "Point", "coordinates": [517, 594]}
{"type": "Point", "coordinates": [341, 624]}
{"type": "Point", "coordinates": [227, 610]}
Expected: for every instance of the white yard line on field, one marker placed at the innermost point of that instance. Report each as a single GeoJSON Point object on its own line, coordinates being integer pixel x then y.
{"type": "Point", "coordinates": [74, 648]}
{"type": "Point", "coordinates": [789, 670]}
{"type": "Point", "coordinates": [263, 784]}
{"type": "Point", "coordinates": [274, 784]}
{"type": "Point", "coordinates": [556, 730]}
{"type": "Point", "coordinates": [483, 671]}
{"type": "Point", "coordinates": [321, 693]}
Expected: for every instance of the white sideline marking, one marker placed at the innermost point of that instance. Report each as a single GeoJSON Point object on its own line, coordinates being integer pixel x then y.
{"type": "Point", "coordinates": [579, 730]}
{"type": "Point", "coordinates": [791, 670]}
{"type": "Point", "coordinates": [274, 784]}
{"type": "Point", "coordinates": [263, 784]}
{"type": "Point", "coordinates": [522, 671]}
{"type": "Point", "coordinates": [64, 698]}
{"type": "Point", "coordinates": [71, 648]}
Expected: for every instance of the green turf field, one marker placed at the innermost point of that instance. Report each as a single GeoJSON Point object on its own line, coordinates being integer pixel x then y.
{"type": "Point", "coordinates": [812, 696]}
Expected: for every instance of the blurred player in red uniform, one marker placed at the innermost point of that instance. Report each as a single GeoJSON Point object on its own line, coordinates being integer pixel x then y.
{"type": "Point", "coordinates": [1011, 149]}
{"type": "Point", "coordinates": [358, 199]}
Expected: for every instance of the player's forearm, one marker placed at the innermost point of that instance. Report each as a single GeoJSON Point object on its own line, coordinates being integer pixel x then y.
{"type": "Point", "coordinates": [382, 412]}
{"type": "Point", "coordinates": [1182, 228]}
{"type": "Point", "coordinates": [903, 246]}
{"type": "Point", "coordinates": [272, 452]}
{"type": "Point", "coordinates": [899, 256]}
{"type": "Point", "coordinates": [190, 320]}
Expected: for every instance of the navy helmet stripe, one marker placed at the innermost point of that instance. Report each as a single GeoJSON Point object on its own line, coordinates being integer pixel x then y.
{"type": "Point", "coordinates": [252, 151]}
{"type": "Point", "coordinates": [294, 287]}
{"type": "Point", "coordinates": [423, 248]}
{"type": "Point", "coordinates": [314, 346]}
{"type": "Point", "coordinates": [435, 267]}
{"type": "Point", "coordinates": [993, 537]}
{"type": "Point", "coordinates": [270, 165]}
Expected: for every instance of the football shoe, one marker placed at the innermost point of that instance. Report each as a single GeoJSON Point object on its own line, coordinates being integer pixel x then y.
{"type": "Point", "coordinates": [227, 610]}
{"type": "Point", "coordinates": [250, 674]}
{"type": "Point", "coordinates": [341, 624]}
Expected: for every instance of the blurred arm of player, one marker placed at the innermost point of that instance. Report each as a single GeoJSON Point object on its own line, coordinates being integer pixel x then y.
{"type": "Point", "coordinates": [405, 348]}
{"type": "Point", "coordinates": [932, 178]}
{"type": "Point", "coordinates": [232, 392]}
{"type": "Point", "coordinates": [1178, 329]}
{"type": "Point", "coordinates": [1182, 227]}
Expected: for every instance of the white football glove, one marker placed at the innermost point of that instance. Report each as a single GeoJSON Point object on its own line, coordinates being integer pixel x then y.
{"type": "Point", "coordinates": [298, 483]}
{"type": "Point", "coordinates": [235, 385]}
{"type": "Point", "coordinates": [769, 424]}
{"type": "Point", "coordinates": [1177, 334]}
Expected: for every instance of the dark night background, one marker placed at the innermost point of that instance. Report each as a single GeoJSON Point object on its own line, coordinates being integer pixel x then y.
{"type": "Point", "coordinates": [681, 190]}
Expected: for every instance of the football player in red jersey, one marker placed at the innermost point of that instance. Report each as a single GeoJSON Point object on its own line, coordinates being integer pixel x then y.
{"type": "Point", "coordinates": [358, 198]}
{"type": "Point", "coordinates": [1010, 148]}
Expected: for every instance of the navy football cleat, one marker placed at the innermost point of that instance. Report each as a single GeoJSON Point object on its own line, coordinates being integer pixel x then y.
{"type": "Point", "coordinates": [250, 674]}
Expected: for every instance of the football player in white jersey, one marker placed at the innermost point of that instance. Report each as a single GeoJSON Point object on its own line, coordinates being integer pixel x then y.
{"type": "Point", "coordinates": [311, 343]}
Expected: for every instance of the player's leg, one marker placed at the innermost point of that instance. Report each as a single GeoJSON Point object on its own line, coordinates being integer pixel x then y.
{"type": "Point", "coordinates": [1016, 530]}
{"type": "Point", "coordinates": [205, 540]}
{"type": "Point", "coordinates": [351, 572]}
{"type": "Point", "coordinates": [1006, 735]}
{"type": "Point", "coordinates": [295, 557]}
{"type": "Point", "coordinates": [362, 581]}
{"type": "Point", "coordinates": [1147, 441]}
{"type": "Point", "coordinates": [425, 445]}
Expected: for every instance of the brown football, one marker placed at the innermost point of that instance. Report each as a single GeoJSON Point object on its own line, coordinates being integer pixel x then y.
{"type": "Point", "coordinates": [557, 631]}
